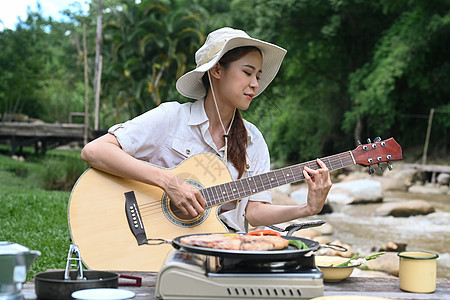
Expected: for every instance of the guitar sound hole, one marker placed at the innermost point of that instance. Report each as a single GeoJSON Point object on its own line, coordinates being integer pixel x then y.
{"type": "Point", "coordinates": [177, 213]}
{"type": "Point", "coordinates": [175, 216]}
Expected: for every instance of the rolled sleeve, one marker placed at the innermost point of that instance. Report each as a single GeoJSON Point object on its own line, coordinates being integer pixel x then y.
{"type": "Point", "coordinates": [125, 142]}
{"type": "Point", "coordinates": [142, 136]}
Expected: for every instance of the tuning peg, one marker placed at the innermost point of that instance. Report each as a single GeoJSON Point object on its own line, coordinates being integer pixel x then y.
{"type": "Point", "coordinates": [390, 166]}
{"type": "Point", "coordinates": [371, 170]}
{"type": "Point", "coordinates": [380, 167]}
{"type": "Point", "coordinates": [369, 141]}
{"type": "Point", "coordinates": [359, 143]}
{"type": "Point", "coordinates": [377, 139]}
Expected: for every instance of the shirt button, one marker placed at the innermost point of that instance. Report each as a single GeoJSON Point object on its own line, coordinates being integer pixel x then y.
{"type": "Point", "coordinates": [188, 151]}
{"type": "Point", "coordinates": [248, 166]}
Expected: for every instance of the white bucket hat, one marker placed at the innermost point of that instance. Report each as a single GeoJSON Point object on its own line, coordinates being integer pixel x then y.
{"type": "Point", "coordinates": [216, 45]}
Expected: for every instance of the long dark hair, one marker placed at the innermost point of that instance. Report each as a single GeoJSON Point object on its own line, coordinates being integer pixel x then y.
{"type": "Point", "coordinates": [237, 143]}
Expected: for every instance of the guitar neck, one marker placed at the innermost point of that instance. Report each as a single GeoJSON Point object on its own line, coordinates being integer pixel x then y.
{"type": "Point", "coordinates": [244, 187]}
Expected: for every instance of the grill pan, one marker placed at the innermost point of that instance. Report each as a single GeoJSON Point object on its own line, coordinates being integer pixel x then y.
{"type": "Point", "coordinates": [289, 253]}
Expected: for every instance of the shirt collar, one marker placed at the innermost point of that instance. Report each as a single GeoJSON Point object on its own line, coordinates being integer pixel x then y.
{"type": "Point", "coordinates": [198, 114]}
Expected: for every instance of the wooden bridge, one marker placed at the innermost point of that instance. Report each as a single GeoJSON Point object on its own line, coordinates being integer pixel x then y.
{"type": "Point", "coordinates": [42, 135]}
{"type": "Point", "coordinates": [433, 169]}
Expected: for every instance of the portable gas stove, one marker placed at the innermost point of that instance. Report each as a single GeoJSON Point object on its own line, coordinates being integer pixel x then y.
{"type": "Point", "coordinates": [188, 275]}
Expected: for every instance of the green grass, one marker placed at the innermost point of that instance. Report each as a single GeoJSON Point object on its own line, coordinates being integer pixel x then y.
{"type": "Point", "coordinates": [31, 214]}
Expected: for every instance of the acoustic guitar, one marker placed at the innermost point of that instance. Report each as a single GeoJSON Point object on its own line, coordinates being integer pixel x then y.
{"type": "Point", "coordinates": [119, 224]}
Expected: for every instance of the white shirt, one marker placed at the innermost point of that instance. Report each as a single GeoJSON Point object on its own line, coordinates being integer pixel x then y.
{"type": "Point", "coordinates": [172, 132]}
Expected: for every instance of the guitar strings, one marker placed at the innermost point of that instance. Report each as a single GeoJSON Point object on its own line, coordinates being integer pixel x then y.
{"type": "Point", "coordinates": [225, 192]}
{"type": "Point", "coordinates": [335, 161]}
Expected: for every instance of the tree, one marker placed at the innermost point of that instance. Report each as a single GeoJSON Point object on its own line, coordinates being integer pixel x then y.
{"type": "Point", "coordinates": [408, 73]}
{"type": "Point", "coordinates": [38, 74]}
{"type": "Point", "coordinates": [146, 47]}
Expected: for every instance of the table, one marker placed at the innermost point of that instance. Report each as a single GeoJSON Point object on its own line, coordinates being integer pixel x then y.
{"type": "Point", "coordinates": [367, 286]}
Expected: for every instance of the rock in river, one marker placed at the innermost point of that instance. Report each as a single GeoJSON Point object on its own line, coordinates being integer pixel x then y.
{"type": "Point", "coordinates": [356, 192]}
{"type": "Point", "coordinates": [405, 209]}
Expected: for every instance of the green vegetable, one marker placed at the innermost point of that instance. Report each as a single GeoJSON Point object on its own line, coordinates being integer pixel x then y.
{"type": "Point", "coordinates": [345, 263]}
{"type": "Point", "coordinates": [373, 256]}
{"type": "Point", "coordinates": [298, 244]}
{"type": "Point", "coordinates": [370, 257]}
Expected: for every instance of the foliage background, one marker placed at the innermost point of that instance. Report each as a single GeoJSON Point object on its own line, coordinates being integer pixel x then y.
{"type": "Point", "coordinates": [354, 70]}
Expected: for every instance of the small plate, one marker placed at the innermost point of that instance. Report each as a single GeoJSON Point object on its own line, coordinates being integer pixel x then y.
{"type": "Point", "coordinates": [103, 294]}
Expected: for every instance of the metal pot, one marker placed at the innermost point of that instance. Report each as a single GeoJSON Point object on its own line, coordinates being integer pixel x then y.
{"type": "Point", "coordinates": [59, 285]}
{"type": "Point", "coordinates": [15, 261]}
{"type": "Point", "coordinates": [51, 285]}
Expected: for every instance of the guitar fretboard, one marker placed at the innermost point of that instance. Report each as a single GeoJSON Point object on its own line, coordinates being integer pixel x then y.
{"type": "Point", "coordinates": [251, 185]}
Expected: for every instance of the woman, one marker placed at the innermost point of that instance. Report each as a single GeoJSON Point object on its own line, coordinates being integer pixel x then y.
{"type": "Point", "coordinates": [232, 69]}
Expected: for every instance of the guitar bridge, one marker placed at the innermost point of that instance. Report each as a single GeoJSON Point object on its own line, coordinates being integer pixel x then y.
{"type": "Point", "coordinates": [134, 218]}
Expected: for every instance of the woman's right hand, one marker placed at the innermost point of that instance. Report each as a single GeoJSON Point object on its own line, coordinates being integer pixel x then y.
{"type": "Point", "coordinates": [185, 196]}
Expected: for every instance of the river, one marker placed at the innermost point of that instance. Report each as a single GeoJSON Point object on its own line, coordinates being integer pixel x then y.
{"type": "Point", "coordinates": [358, 226]}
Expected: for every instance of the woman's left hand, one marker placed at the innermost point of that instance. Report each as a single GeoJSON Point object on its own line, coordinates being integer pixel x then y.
{"type": "Point", "coordinates": [319, 184]}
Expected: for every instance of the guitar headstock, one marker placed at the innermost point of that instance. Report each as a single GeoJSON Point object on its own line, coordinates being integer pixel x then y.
{"type": "Point", "coordinates": [378, 152]}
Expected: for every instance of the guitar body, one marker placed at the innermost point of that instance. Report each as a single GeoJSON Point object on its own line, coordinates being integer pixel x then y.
{"type": "Point", "coordinates": [101, 230]}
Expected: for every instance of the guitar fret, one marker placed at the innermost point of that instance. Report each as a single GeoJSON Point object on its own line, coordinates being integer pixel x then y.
{"type": "Point", "coordinates": [219, 194]}
{"type": "Point", "coordinates": [262, 183]}
{"type": "Point", "coordinates": [223, 193]}
{"type": "Point", "coordinates": [251, 190]}
{"type": "Point", "coordinates": [226, 192]}
{"type": "Point", "coordinates": [277, 177]}
{"type": "Point", "coordinates": [280, 177]}
{"type": "Point", "coordinates": [254, 183]}
{"type": "Point", "coordinates": [285, 176]}
{"type": "Point", "coordinates": [217, 197]}
{"type": "Point", "coordinates": [208, 192]}
{"type": "Point", "coordinates": [347, 159]}
{"type": "Point", "coordinates": [211, 193]}
{"type": "Point", "coordinates": [340, 160]}
{"type": "Point", "coordinates": [279, 174]}
{"type": "Point", "coordinates": [243, 188]}
{"type": "Point", "coordinates": [298, 173]}
{"type": "Point", "coordinates": [328, 163]}
{"type": "Point", "coordinates": [341, 163]}
{"type": "Point", "coordinates": [272, 179]}
{"type": "Point", "coordinates": [235, 190]}
{"type": "Point", "coordinates": [205, 195]}
{"type": "Point", "coordinates": [212, 196]}
{"type": "Point", "coordinates": [257, 183]}
{"type": "Point", "coordinates": [262, 186]}
{"type": "Point", "coordinates": [229, 193]}
{"type": "Point", "coordinates": [266, 181]}
{"type": "Point", "coordinates": [288, 175]}
{"type": "Point", "coordinates": [337, 162]}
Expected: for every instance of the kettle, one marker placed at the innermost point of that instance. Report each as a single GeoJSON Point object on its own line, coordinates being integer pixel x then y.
{"type": "Point", "coordinates": [15, 261]}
